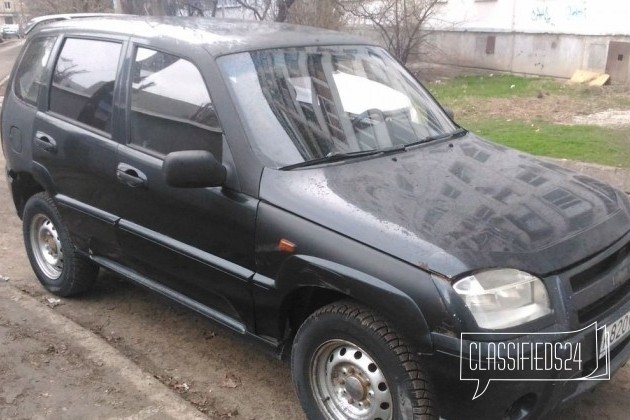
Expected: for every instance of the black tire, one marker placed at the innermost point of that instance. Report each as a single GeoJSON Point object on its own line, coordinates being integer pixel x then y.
{"type": "Point", "coordinates": [55, 261]}
{"type": "Point", "coordinates": [347, 357]}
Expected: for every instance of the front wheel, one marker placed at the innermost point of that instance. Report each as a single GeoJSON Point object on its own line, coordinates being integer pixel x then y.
{"type": "Point", "coordinates": [350, 363]}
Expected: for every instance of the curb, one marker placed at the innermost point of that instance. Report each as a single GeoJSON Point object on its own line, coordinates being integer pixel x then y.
{"type": "Point", "coordinates": [9, 42]}
{"type": "Point", "coordinates": [164, 402]}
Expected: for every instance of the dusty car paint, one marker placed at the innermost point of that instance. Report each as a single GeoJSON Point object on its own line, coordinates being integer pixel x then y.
{"type": "Point", "coordinates": [458, 206]}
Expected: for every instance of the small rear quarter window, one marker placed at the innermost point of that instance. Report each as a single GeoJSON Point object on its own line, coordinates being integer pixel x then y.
{"type": "Point", "coordinates": [31, 72]}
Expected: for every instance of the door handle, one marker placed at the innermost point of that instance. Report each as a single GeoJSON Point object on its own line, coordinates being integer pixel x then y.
{"type": "Point", "coordinates": [45, 142]}
{"type": "Point", "coordinates": [131, 176]}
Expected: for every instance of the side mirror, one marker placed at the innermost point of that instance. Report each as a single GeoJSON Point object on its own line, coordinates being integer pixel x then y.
{"type": "Point", "coordinates": [193, 169]}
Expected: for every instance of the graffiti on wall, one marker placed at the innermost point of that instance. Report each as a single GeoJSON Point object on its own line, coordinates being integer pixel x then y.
{"type": "Point", "coordinates": [550, 13]}
{"type": "Point", "coordinates": [576, 11]}
{"type": "Point", "coordinates": [541, 14]}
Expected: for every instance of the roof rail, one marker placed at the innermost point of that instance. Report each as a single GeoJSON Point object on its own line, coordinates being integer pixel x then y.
{"type": "Point", "coordinates": [31, 24]}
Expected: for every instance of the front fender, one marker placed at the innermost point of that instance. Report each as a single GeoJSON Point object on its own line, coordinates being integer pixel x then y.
{"type": "Point", "coordinates": [391, 302]}
{"type": "Point", "coordinates": [326, 261]}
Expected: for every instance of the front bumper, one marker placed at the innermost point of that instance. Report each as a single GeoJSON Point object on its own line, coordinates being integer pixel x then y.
{"type": "Point", "coordinates": [518, 398]}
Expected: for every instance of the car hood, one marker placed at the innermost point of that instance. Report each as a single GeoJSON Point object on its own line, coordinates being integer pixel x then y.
{"type": "Point", "coordinates": [458, 206]}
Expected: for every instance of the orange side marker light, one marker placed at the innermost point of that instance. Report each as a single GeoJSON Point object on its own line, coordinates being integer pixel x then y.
{"type": "Point", "coordinates": [286, 246]}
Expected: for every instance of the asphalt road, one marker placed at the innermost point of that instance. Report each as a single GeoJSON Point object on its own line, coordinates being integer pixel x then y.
{"type": "Point", "coordinates": [9, 51]}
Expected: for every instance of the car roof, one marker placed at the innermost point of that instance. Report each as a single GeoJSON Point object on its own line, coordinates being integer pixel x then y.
{"type": "Point", "coordinates": [218, 36]}
{"type": "Point", "coordinates": [31, 24]}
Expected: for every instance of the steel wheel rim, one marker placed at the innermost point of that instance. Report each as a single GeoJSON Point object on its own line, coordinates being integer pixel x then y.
{"type": "Point", "coordinates": [46, 246]}
{"type": "Point", "coordinates": [348, 384]}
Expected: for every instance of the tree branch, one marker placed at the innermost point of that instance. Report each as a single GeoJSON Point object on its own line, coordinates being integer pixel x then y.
{"type": "Point", "coordinates": [254, 9]}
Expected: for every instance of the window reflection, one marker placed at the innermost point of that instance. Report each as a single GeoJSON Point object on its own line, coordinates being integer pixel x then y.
{"type": "Point", "coordinates": [315, 101]}
{"type": "Point", "coordinates": [83, 81]}
{"type": "Point", "coordinates": [171, 109]}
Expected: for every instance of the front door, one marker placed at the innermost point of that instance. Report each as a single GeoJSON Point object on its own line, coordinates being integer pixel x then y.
{"type": "Point", "coordinates": [196, 241]}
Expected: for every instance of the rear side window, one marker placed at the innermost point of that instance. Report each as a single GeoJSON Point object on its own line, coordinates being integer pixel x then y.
{"type": "Point", "coordinates": [83, 81]}
{"type": "Point", "coordinates": [171, 109]}
{"type": "Point", "coordinates": [30, 74]}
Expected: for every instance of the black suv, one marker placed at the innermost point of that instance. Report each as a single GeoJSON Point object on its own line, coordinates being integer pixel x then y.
{"type": "Point", "coordinates": [299, 186]}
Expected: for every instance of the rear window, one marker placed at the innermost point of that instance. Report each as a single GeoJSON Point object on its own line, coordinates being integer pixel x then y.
{"type": "Point", "coordinates": [30, 74]}
{"type": "Point", "coordinates": [83, 81]}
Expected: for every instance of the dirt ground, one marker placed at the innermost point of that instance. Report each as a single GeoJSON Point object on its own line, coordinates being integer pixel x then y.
{"type": "Point", "coordinates": [222, 374]}
{"type": "Point", "coordinates": [573, 104]}
{"type": "Point", "coordinates": [593, 106]}
{"type": "Point", "coordinates": [53, 368]}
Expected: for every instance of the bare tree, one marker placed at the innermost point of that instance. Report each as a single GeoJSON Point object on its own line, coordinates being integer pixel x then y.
{"type": "Point", "coordinates": [399, 22]}
{"type": "Point", "coordinates": [170, 7]}
{"type": "Point", "coordinates": [134, 7]}
{"type": "Point", "coordinates": [282, 9]}
{"type": "Point", "coordinates": [143, 7]}
{"type": "Point", "coordinates": [51, 7]}
{"type": "Point", "coordinates": [277, 10]}
{"type": "Point", "coordinates": [322, 14]}
{"type": "Point", "coordinates": [191, 7]}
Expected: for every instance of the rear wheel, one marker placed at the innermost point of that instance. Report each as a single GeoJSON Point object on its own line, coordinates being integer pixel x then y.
{"type": "Point", "coordinates": [350, 363]}
{"type": "Point", "coordinates": [59, 268]}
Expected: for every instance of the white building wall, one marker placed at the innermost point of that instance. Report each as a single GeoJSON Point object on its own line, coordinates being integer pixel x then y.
{"type": "Point", "coordinates": [545, 37]}
{"type": "Point", "coordinates": [583, 17]}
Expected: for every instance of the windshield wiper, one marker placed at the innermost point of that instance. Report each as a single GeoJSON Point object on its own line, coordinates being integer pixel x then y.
{"type": "Point", "coordinates": [341, 156]}
{"type": "Point", "coordinates": [453, 134]}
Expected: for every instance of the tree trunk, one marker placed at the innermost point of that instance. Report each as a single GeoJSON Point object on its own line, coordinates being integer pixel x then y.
{"type": "Point", "coordinates": [283, 10]}
{"type": "Point", "coordinates": [157, 8]}
{"type": "Point", "coordinates": [117, 7]}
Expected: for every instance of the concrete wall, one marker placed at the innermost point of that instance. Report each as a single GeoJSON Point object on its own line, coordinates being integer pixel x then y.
{"type": "Point", "coordinates": [557, 55]}
{"type": "Point", "coordinates": [544, 37]}
{"type": "Point", "coordinates": [583, 17]}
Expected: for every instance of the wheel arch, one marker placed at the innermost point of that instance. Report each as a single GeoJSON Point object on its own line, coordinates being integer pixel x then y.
{"type": "Point", "coordinates": [23, 186]}
{"type": "Point", "coordinates": [321, 282]}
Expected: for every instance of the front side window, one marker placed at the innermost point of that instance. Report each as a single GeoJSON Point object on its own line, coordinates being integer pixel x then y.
{"type": "Point", "coordinates": [83, 81]}
{"type": "Point", "coordinates": [30, 74]}
{"type": "Point", "coordinates": [305, 104]}
{"type": "Point", "coordinates": [171, 109]}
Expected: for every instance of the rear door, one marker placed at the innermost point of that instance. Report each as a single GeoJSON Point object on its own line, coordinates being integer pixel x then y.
{"type": "Point", "coordinates": [196, 241]}
{"type": "Point", "coordinates": [73, 139]}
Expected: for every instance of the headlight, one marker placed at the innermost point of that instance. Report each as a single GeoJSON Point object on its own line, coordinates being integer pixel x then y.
{"type": "Point", "coordinates": [503, 298]}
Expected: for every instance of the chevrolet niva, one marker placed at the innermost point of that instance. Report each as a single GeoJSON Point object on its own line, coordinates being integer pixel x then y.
{"type": "Point", "coordinates": [299, 186]}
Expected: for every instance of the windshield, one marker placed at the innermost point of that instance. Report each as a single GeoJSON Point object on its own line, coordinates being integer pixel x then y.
{"type": "Point", "coordinates": [308, 103]}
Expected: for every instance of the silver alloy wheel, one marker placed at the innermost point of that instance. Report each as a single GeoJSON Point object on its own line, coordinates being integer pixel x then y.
{"type": "Point", "coordinates": [46, 246]}
{"type": "Point", "coordinates": [348, 384]}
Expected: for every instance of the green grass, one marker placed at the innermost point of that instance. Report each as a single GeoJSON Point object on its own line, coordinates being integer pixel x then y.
{"type": "Point", "coordinates": [605, 146]}
{"type": "Point", "coordinates": [497, 86]}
